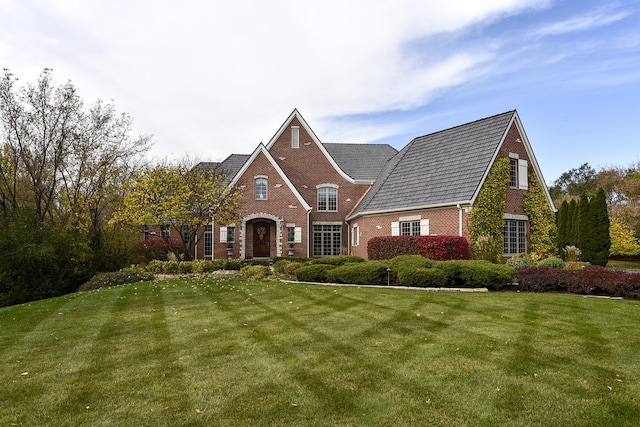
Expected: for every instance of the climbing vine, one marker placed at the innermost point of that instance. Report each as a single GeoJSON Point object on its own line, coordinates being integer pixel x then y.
{"type": "Point", "coordinates": [542, 220]}
{"type": "Point", "coordinates": [487, 215]}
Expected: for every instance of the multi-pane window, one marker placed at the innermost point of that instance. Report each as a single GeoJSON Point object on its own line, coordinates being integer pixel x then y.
{"type": "Point", "coordinates": [513, 173]}
{"type": "Point", "coordinates": [515, 236]}
{"type": "Point", "coordinates": [327, 199]}
{"type": "Point", "coordinates": [355, 235]}
{"type": "Point", "coordinates": [291, 234]}
{"type": "Point", "coordinates": [327, 240]}
{"type": "Point", "coordinates": [208, 240]}
{"type": "Point", "coordinates": [145, 232]}
{"type": "Point", "coordinates": [518, 173]}
{"type": "Point", "coordinates": [410, 228]}
{"type": "Point", "coordinates": [166, 230]}
{"type": "Point", "coordinates": [228, 234]}
{"type": "Point", "coordinates": [261, 188]}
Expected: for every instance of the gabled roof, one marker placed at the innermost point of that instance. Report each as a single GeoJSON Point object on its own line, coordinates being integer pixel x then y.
{"type": "Point", "coordinates": [440, 169]}
{"type": "Point", "coordinates": [296, 114]}
{"type": "Point", "coordinates": [362, 162]}
{"type": "Point", "coordinates": [262, 149]}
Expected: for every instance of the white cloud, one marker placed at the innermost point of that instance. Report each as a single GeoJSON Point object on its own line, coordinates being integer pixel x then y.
{"type": "Point", "coordinates": [211, 78]}
{"type": "Point", "coordinates": [599, 18]}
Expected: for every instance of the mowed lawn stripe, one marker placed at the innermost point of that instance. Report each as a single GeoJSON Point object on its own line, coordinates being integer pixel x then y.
{"type": "Point", "coordinates": [40, 366]}
{"type": "Point", "coordinates": [131, 376]}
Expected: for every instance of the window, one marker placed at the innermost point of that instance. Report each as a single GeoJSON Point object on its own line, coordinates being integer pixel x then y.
{"type": "Point", "coordinates": [294, 234]}
{"type": "Point", "coordinates": [515, 236]}
{"type": "Point", "coordinates": [185, 236]}
{"type": "Point", "coordinates": [413, 227]}
{"type": "Point", "coordinates": [327, 240]}
{"type": "Point", "coordinates": [261, 189]}
{"type": "Point", "coordinates": [518, 173]}
{"type": "Point", "coordinates": [166, 231]}
{"type": "Point", "coordinates": [145, 232]}
{"type": "Point", "coordinates": [327, 199]}
{"type": "Point", "coordinates": [295, 136]}
{"type": "Point", "coordinates": [513, 173]}
{"type": "Point", "coordinates": [228, 234]}
{"type": "Point", "coordinates": [355, 235]}
{"type": "Point", "coordinates": [208, 240]}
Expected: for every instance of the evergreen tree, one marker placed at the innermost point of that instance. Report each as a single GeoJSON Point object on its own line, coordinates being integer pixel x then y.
{"type": "Point", "coordinates": [600, 238]}
{"type": "Point", "coordinates": [563, 226]}
{"type": "Point", "coordinates": [572, 220]}
{"type": "Point", "coordinates": [584, 227]}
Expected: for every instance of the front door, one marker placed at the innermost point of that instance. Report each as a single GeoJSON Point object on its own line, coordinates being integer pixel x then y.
{"type": "Point", "coordinates": [261, 240]}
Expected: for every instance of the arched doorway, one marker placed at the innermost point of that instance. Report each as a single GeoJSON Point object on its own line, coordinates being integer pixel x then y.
{"type": "Point", "coordinates": [261, 239]}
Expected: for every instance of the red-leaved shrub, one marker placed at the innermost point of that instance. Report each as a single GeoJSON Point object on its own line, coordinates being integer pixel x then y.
{"type": "Point", "coordinates": [439, 248]}
{"type": "Point", "coordinates": [593, 280]}
{"type": "Point", "coordinates": [153, 248]}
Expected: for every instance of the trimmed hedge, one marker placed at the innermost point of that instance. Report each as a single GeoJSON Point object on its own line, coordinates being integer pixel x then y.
{"type": "Point", "coordinates": [404, 264]}
{"type": "Point", "coordinates": [115, 278]}
{"type": "Point", "coordinates": [424, 278]}
{"type": "Point", "coordinates": [440, 248]}
{"type": "Point", "coordinates": [592, 280]}
{"type": "Point", "coordinates": [314, 272]}
{"type": "Point", "coordinates": [337, 260]}
{"type": "Point", "coordinates": [476, 274]}
{"type": "Point", "coordinates": [362, 273]}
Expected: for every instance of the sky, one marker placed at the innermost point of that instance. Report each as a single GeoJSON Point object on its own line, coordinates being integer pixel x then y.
{"type": "Point", "coordinates": [212, 78]}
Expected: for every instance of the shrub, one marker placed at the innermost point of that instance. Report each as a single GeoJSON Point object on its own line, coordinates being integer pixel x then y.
{"type": "Point", "coordinates": [206, 266]}
{"type": "Point", "coordinates": [287, 267]}
{"type": "Point", "coordinates": [337, 260]}
{"type": "Point", "coordinates": [172, 267]}
{"type": "Point", "coordinates": [407, 263]}
{"type": "Point", "coordinates": [154, 248]}
{"type": "Point", "coordinates": [521, 261]}
{"type": "Point", "coordinates": [155, 266]}
{"type": "Point", "coordinates": [575, 265]}
{"type": "Point", "coordinates": [571, 253]}
{"type": "Point", "coordinates": [592, 280]}
{"type": "Point", "coordinates": [234, 264]}
{"type": "Point", "coordinates": [363, 273]}
{"type": "Point", "coordinates": [551, 262]}
{"type": "Point", "coordinates": [478, 273]}
{"type": "Point", "coordinates": [313, 272]}
{"type": "Point", "coordinates": [487, 248]}
{"type": "Point", "coordinates": [115, 278]}
{"type": "Point", "coordinates": [185, 267]}
{"type": "Point", "coordinates": [423, 277]}
{"type": "Point", "coordinates": [255, 272]}
{"type": "Point", "coordinates": [434, 247]}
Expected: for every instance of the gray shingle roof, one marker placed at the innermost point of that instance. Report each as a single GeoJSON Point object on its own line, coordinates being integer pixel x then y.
{"type": "Point", "coordinates": [439, 168]}
{"type": "Point", "coordinates": [361, 161]}
{"type": "Point", "coordinates": [231, 165]}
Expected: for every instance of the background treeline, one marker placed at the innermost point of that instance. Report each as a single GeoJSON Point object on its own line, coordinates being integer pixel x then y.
{"type": "Point", "coordinates": [621, 191]}
{"type": "Point", "coordinates": [62, 169]}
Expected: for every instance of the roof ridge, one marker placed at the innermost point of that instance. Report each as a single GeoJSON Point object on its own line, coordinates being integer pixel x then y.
{"type": "Point", "coordinates": [464, 124]}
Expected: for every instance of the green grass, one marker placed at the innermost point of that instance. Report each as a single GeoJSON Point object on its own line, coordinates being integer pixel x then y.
{"type": "Point", "coordinates": [624, 265]}
{"type": "Point", "coordinates": [227, 353]}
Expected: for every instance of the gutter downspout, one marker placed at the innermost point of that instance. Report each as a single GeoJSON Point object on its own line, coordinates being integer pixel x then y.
{"type": "Point", "coordinates": [459, 219]}
{"type": "Point", "coordinates": [308, 233]}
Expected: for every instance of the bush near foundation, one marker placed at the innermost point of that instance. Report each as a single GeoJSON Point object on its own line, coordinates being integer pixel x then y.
{"type": "Point", "coordinates": [592, 280]}
{"type": "Point", "coordinates": [439, 248]}
{"type": "Point", "coordinates": [476, 274]}
{"type": "Point", "coordinates": [337, 260]}
{"type": "Point", "coordinates": [115, 278]}
{"type": "Point", "coordinates": [362, 273]}
{"type": "Point", "coordinates": [423, 278]}
{"type": "Point", "coordinates": [313, 273]}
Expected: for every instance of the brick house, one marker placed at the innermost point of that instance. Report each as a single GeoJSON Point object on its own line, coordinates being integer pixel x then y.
{"type": "Point", "coordinates": [309, 198]}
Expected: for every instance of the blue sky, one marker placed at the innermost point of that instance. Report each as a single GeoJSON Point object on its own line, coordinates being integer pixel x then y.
{"type": "Point", "coordinates": [211, 78]}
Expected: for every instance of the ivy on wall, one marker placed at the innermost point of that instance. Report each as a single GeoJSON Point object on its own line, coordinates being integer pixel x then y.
{"type": "Point", "coordinates": [542, 220]}
{"type": "Point", "coordinates": [487, 215]}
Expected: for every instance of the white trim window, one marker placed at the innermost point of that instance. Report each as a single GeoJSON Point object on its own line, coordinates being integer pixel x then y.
{"type": "Point", "coordinates": [208, 240]}
{"type": "Point", "coordinates": [327, 199]}
{"type": "Point", "coordinates": [355, 235]}
{"type": "Point", "coordinates": [261, 188]}
{"type": "Point", "coordinates": [518, 172]}
{"type": "Point", "coordinates": [514, 232]}
{"type": "Point", "coordinates": [295, 136]}
{"type": "Point", "coordinates": [294, 234]}
{"type": "Point", "coordinates": [414, 227]}
{"type": "Point", "coordinates": [228, 234]}
{"type": "Point", "coordinates": [327, 239]}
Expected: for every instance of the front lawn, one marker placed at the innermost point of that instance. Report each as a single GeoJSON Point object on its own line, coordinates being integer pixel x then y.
{"type": "Point", "coordinates": [227, 352]}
